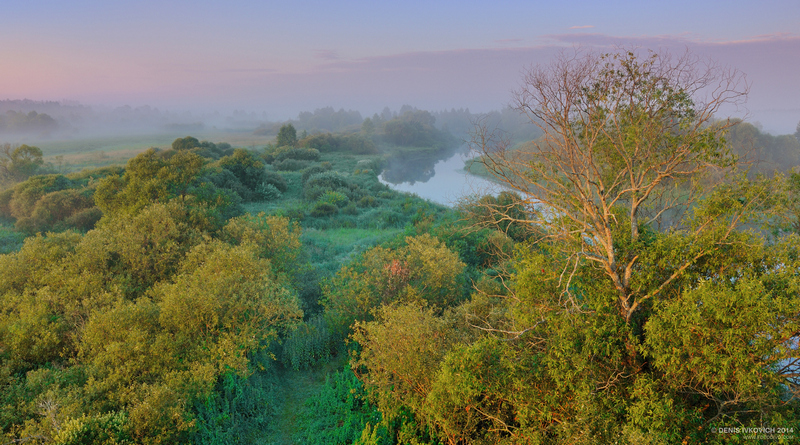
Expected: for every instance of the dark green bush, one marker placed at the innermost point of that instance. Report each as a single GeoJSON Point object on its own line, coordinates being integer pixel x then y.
{"type": "Point", "coordinates": [314, 169]}
{"type": "Point", "coordinates": [290, 165]}
{"type": "Point", "coordinates": [368, 201]}
{"type": "Point", "coordinates": [246, 167]}
{"type": "Point", "coordinates": [320, 183]}
{"type": "Point", "coordinates": [277, 180]}
{"type": "Point", "coordinates": [323, 209]}
{"type": "Point", "coordinates": [301, 154]}
{"type": "Point", "coordinates": [350, 143]}
{"type": "Point", "coordinates": [350, 209]}
{"type": "Point", "coordinates": [84, 220]}
{"type": "Point", "coordinates": [225, 179]}
{"type": "Point", "coordinates": [268, 192]}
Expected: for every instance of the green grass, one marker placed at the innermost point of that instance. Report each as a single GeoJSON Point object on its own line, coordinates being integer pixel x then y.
{"type": "Point", "coordinates": [295, 388]}
{"type": "Point", "coordinates": [340, 244]}
{"type": "Point", "coordinates": [79, 153]}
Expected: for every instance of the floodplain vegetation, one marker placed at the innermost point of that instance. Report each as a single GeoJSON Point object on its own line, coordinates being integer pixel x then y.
{"type": "Point", "coordinates": [636, 283]}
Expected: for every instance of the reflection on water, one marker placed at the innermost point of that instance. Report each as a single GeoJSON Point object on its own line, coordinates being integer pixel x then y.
{"type": "Point", "coordinates": [443, 181]}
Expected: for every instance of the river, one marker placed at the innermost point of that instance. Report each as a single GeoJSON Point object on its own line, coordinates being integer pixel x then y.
{"type": "Point", "coordinates": [444, 182]}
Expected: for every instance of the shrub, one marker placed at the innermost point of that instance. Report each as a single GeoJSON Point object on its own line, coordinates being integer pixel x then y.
{"type": "Point", "coordinates": [367, 201]}
{"type": "Point", "coordinates": [290, 165]}
{"type": "Point", "coordinates": [225, 179]}
{"type": "Point", "coordinates": [84, 220]}
{"type": "Point", "coordinates": [339, 413]}
{"type": "Point", "coordinates": [268, 192]}
{"type": "Point", "coordinates": [350, 209]}
{"type": "Point", "coordinates": [320, 183]}
{"type": "Point", "coordinates": [323, 209]}
{"type": "Point", "coordinates": [245, 166]}
{"type": "Point", "coordinates": [303, 154]}
{"type": "Point", "coordinates": [336, 198]}
{"type": "Point", "coordinates": [308, 345]}
{"type": "Point", "coordinates": [314, 169]}
{"type": "Point", "coordinates": [10, 240]}
{"type": "Point", "coordinates": [277, 180]}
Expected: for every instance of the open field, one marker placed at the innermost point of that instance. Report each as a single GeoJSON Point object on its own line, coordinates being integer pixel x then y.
{"type": "Point", "coordinates": [92, 152]}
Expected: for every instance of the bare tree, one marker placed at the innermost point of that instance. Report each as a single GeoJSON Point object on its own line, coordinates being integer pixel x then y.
{"type": "Point", "coordinates": [627, 137]}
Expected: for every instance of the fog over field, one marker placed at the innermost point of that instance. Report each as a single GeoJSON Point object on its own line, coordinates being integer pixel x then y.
{"type": "Point", "coordinates": [276, 61]}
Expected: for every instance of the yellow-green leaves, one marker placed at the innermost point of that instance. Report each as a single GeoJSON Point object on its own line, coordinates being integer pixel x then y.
{"type": "Point", "coordinates": [424, 270]}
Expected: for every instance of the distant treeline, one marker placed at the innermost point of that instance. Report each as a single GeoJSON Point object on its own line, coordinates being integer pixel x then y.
{"type": "Point", "coordinates": [32, 122]}
{"type": "Point", "coordinates": [458, 122]}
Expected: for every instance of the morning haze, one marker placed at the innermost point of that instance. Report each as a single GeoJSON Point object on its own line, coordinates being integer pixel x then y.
{"type": "Point", "coordinates": [410, 222]}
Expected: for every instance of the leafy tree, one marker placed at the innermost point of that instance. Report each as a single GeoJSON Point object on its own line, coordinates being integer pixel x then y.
{"type": "Point", "coordinates": [623, 137]}
{"type": "Point", "coordinates": [368, 127]}
{"type": "Point", "coordinates": [153, 178]}
{"type": "Point", "coordinates": [413, 128]}
{"type": "Point", "coordinates": [287, 136]}
{"type": "Point", "coordinates": [405, 372]}
{"type": "Point", "coordinates": [18, 163]}
{"type": "Point", "coordinates": [423, 270]}
{"type": "Point", "coordinates": [118, 334]}
{"type": "Point", "coordinates": [32, 122]}
{"type": "Point", "coordinates": [244, 165]}
{"type": "Point", "coordinates": [186, 143]}
{"type": "Point", "coordinates": [626, 332]}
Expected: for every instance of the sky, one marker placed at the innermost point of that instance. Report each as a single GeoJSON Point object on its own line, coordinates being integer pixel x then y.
{"type": "Point", "coordinates": [290, 56]}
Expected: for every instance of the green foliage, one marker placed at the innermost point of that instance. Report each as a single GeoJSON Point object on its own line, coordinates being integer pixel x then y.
{"type": "Point", "coordinates": [268, 192]}
{"type": "Point", "coordinates": [238, 411]}
{"type": "Point", "coordinates": [154, 177]}
{"type": "Point", "coordinates": [336, 198]}
{"type": "Point", "coordinates": [244, 165]}
{"type": "Point", "coordinates": [276, 180]}
{"type": "Point", "coordinates": [314, 169]}
{"type": "Point", "coordinates": [26, 194]}
{"type": "Point", "coordinates": [343, 143]}
{"type": "Point", "coordinates": [186, 143]}
{"type": "Point", "coordinates": [205, 149]}
{"type": "Point", "coordinates": [19, 163]}
{"type": "Point", "coordinates": [403, 373]}
{"type": "Point", "coordinates": [506, 212]}
{"type": "Point", "coordinates": [299, 153]}
{"type": "Point", "coordinates": [107, 429]}
{"type": "Point", "coordinates": [309, 345]}
{"type": "Point", "coordinates": [31, 122]}
{"type": "Point", "coordinates": [423, 270]}
{"type": "Point", "coordinates": [330, 181]}
{"type": "Point", "coordinates": [415, 128]}
{"type": "Point", "coordinates": [10, 241]}
{"type": "Point", "coordinates": [274, 238]}
{"type": "Point", "coordinates": [324, 209]}
{"type": "Point", "coordinates": [49, 203]}
{"type": "Point", "coordinates": [338, 413]}
{"type": "Point", "coordinates": [290, 165]}
{"type": "Point", "coordinates": [128, 327]}
{"type": "Point", "coordinates": [287, 136]}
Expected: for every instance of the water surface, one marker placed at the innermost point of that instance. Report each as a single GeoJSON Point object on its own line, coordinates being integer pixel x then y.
{"type": "Point", "coordinates": [441, 181]}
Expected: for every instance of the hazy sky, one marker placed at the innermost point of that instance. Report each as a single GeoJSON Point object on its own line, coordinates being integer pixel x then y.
{"type": "Point", "coordinates": [290, 56]}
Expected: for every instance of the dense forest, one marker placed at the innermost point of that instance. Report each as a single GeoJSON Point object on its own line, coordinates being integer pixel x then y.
{"type": "Point", "coordinates": [638, 281]}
